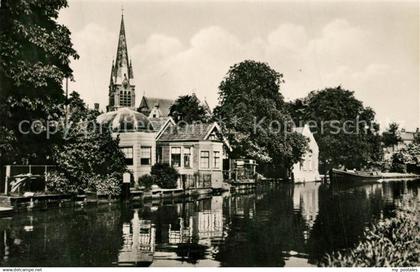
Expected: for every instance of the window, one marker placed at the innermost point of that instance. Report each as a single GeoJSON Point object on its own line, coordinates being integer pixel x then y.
{"type": "Point", "coordinates": [128, 154]}
{"type": "Point", "coordinates": [187, 157]}
{"type": "Point", "coordinates": [176, 156]}
{"type": "Point", "coordinates": [145, 155]}
{"type": "Point", "coordinates": [205, 159]}
{"type": "Point", "coordinates": [216, 159]}
{"type": "Point", "coordinates": [159, 154]}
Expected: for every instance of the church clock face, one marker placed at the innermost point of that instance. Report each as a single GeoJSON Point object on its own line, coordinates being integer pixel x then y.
{"type": "Point", "coordinates": [125, 83]}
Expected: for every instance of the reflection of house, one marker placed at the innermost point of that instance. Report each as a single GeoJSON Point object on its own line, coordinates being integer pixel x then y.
{"type": "Point", "coordinates": [204, 227]}
{"type": "Point", "coordinates": [306, 199]}
{"type": "Point", "coordinates": [138, 242]}
{"type": "Point", "coordinates": [197, 151]}
{"type": "Point", "coordinates": [307, 170]}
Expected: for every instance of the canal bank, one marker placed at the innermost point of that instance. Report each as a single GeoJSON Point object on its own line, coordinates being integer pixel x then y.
{"type": "Point", "coordinates": [285, 225]}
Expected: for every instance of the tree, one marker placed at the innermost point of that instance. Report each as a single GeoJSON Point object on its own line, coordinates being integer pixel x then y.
{"type": "Point", "coordinates": [252, 112]}
{"type": "Point", "coordinates": [345, 130]}
{"type": "Point", "coordinates": [407, 156]}
{"type": "Point", "coordinates": [35, 54]}
{"type": "Point", "coordinates": [188, 108]}
{"type": "Point", "coordinates": [391, 136]}
{"type": "Point", "coordinates": [165, 175]}
{"type": "Point", "coordinates": [89, 156]}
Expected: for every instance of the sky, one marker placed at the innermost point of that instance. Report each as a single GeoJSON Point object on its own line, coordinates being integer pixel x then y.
{"type": "Point", "coordinates": [184, 47]}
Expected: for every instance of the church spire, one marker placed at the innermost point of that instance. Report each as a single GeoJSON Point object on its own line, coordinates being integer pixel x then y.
{"type": "Point", "coordinates": [122, 63]}
{"type": "Point", "coordinates": [121, 86]}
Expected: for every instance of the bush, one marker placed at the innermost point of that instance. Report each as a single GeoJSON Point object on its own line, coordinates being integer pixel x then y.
{"type": "Point", "coordinates": [106, 185]}
{"type": "Point", "coordinates": [147, 181]}
{"type": "Point", "coordinates": [58, 183]}
{"type": "Point", "coordinates": [165, 175]}
{"type": "Point", "coordinates": [391, 242]}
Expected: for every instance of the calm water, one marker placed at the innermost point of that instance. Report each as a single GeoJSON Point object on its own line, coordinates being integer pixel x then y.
{"type": "Point", "coordinates": [291, 225]}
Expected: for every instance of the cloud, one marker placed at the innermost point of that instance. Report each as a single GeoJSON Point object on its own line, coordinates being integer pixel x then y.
{"type": "Point", "coordinates": [340, 53]}
{"type": "Point", "coordinates": [93, 69]}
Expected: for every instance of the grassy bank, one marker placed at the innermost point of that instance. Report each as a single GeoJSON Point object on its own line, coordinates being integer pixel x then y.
{"type": "Point", "coordinates": [390, 242]}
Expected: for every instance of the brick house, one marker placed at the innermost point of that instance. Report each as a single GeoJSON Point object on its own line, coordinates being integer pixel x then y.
{"type": "Point", "coordinates": [196, 151]}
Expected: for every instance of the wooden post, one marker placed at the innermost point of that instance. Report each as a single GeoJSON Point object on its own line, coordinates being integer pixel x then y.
{"type": "Point", "coordinates": [45, 179]}
{"type": "Point", "coordinates": [7, 179]}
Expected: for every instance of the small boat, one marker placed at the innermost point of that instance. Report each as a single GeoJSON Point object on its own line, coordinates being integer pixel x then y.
{"type": "Point", "coordinates": [337, 175]}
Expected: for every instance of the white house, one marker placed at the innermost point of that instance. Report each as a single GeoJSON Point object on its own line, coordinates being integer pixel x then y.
{"type": "Point", "coordinates": [307, 170]}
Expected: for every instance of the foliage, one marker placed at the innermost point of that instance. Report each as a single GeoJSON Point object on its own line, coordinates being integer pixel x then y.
{"type": "Point", "coordinates": [147, 181]}
{"type": "Point", "coordinates": [7, 142]}
{"type": "Point", "coordinates": [165, 175]}
{"type": "Point", "coordinates": [252, 112]}
{"type": "Point", "coordinates": [88, 151]}
{"type": "Point", "coordinates": [58, 183]}
{"type": "Point", "coordinates": [35, 54]}
{"type": "Point", "coordinates": [109, 184]}
{"type": "Point", "coordinates": [391, 242]}
{"type": "Point", "coordinates": [188, 108]}
{"type": "Point", "coordinates": [345, 130]}
{"type": "Point", "coordinates": [407, 155]}
{"type": "Point", "coordinates": [391, 136]}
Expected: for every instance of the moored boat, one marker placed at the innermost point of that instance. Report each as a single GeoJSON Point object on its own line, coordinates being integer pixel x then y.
{"type": "Point", "coordinates": [355, 176]}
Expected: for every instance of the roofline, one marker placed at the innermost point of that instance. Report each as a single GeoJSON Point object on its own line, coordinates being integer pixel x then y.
{"type": "Point", "coordinates": [224, 140]}
{"type": "Point", "coordinates": [163, 128]}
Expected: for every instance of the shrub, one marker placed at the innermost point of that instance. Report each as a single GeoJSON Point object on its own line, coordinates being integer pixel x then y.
{"type": "Point", "coordinates": [147, 181]}
{"type": "Point", "coordinates": [106, 185]}
{"type": "Point", "coordinates": [165, 175]}
{"type": "Point", "coordinates": [57, 182]}
{"type": "Point", "coordinates": [391, 242]}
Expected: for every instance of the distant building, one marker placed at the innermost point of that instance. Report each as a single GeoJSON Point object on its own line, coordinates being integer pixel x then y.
{"type": "Point", "coordinates": [155, 107]}
{"type": "Point", "coordinates": [121, 84]}
{"type": "Point", "coordinates": [307, 170]}
{"type": "Point", "coordinates": [407, 138]}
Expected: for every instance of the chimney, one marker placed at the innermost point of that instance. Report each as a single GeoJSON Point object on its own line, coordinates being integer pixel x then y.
{"type": "Point", "coordinates": [96, 106]}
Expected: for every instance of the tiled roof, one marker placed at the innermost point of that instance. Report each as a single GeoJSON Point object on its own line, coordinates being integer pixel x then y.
{"type": "Point", "coordinates": [158, 123]}
{"type": "Point", "coordinates": [164, 104]}
{"type": "Point", "coordinates": [194, 132]}
{"type": "Point", "coordinates": [407, 136]}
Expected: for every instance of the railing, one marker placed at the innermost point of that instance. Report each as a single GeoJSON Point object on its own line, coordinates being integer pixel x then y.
{"type": "Point", "coordinates": [199, 180]}
{"type": "Point", "coordinates": [239, 175]}
{"type": "Point", "coordinates": [10, 172]}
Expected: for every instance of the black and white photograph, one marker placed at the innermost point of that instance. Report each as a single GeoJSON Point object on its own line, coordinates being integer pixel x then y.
{"type": "Point", "coordinates": [178, 134]}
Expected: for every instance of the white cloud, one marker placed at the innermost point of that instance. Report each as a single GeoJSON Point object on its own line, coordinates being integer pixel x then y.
{"type": "Point", "coordinates": [164, 66]}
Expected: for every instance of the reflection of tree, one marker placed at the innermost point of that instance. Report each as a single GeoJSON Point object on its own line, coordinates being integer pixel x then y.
{"type": "Point", "coordinates": [342, 217]}
{"type": "Point", "coordinates": [261, 240]}
{"type": "Point", "coordinates": [68, 237]}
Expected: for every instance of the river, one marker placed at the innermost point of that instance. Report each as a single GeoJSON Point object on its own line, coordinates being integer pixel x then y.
{"type": "Point", "coordinates": [289, 225]}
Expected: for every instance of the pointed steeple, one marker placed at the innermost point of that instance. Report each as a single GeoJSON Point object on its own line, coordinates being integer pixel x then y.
{"type": "Point", "coordinates": [122, 64]}
{"type": "Point", "coordinates": [121, 85]}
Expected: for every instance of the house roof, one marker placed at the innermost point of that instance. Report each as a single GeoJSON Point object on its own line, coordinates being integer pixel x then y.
{"type": "Point", "coordinates": [163, 104]}
{"type": "Point", "coordinates": [125, 120]}
{"type": "Point", "coordinates": [191, 132]}
{"type": "Point", "coordinates": [407, 136]}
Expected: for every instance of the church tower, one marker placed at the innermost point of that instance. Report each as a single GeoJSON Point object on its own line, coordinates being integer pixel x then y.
{"type": "Point", "coordinates": [121, 85]}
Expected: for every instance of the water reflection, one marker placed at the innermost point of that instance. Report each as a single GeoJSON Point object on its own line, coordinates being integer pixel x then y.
{"type": "Point", "coordinates": [283, 226]}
